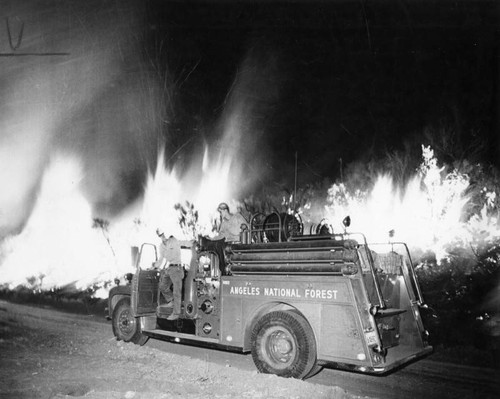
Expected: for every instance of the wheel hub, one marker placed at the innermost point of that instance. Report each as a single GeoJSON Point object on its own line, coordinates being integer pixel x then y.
{"type": "Point", "coordinates": [126, 322]}
{"type": "Point", "coordinates": [281, 347]}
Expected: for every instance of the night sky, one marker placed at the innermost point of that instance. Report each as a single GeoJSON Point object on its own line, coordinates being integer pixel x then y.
{"type": "Point", "coordinates": [339, 79]}
{"type": "Point", "coordinates": [328, 83]}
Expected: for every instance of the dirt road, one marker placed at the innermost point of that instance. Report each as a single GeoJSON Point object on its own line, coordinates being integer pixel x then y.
{"type": "Point", "coordinates": [46, 353]}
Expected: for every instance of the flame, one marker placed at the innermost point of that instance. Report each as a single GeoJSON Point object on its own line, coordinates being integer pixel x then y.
{"type": "Point", "coordinates": [200, 189]}
{"type": "Point", "coordinates": [429, 213]}
{"type": "Point", "coordinates": [58, 245]}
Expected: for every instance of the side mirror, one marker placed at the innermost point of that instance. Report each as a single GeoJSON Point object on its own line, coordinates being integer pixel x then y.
{"type": "Point", "coordinates": [347, 221]}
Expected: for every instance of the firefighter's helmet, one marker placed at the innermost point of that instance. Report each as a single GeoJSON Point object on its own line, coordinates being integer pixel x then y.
{"type": "Point", "coordinates": [223, 206]}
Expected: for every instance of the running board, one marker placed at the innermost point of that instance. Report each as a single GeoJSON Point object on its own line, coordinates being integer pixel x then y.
{"type": "Point", "coordinates": [178, 335]}
{"type": "Point", "coordinates": [389, 312]}
{"type": "Point", "coordinates": [182, 338]}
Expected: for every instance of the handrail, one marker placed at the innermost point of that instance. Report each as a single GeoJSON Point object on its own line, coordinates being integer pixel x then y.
{"type": "Point", "coordinates": [410, 268]}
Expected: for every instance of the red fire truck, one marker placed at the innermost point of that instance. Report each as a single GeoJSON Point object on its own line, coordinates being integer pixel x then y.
{"type": "Point", "coordinates": [297, 302]}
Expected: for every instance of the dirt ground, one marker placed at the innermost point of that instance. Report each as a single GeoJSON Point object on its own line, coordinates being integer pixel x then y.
{"type": "Point", "coordinates": [50, 354]}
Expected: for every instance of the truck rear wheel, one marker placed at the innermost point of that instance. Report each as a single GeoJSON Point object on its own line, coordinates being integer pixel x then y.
{"type": "Point", "coordinates": [283, 344]}
{"type": "Point", "coordinates": [125, 326]}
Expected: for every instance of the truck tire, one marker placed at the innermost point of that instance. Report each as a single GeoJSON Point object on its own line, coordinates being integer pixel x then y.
{"type": "Point", "coordinates": [125, 326]}
{"type": "Point", "coordinates": [283, 343]}
{"type": "Point", "coordinates": [315, 370]}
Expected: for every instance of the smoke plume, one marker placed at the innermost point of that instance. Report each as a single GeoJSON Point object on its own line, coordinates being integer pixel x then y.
{"type": "Point", "coordinates": [72, 78]}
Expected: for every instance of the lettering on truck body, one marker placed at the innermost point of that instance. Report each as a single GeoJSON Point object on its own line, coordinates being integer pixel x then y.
{"type": "Point", "coordinates": [322, 293]}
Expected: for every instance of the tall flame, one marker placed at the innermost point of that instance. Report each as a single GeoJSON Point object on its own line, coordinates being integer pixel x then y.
{"type": "Point", "coordinates": [428, 214]}
{"type": "Point", "coordinates": [58, 245]}
{"type": "Point", "coordinates": [204, 186]}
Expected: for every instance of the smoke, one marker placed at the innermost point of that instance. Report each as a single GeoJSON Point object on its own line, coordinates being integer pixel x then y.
{"type": "Point", "coordinates": [248, 107]}
{"type": "Point", "coordinates": [84, 89]}
{"type": "Point", "coordinates": [229, 166]}
{"type": "Point", "coordinates": [84, 102]}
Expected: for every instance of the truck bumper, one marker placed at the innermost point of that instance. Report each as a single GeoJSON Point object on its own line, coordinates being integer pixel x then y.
{"type": "Point", "coordinates": [381, 369]}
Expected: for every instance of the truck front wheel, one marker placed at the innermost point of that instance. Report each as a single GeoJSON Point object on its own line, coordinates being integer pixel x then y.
{"type": "Point", "coordinates": [283, 344]}
{"type": "Point", "coordinates": [125, 326]}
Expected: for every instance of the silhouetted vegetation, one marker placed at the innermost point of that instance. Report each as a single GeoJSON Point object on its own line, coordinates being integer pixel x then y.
{"type": "Point", "coordinates": [66, 298]}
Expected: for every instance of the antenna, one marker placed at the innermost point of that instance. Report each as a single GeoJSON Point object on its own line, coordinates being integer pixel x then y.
{"type": "Point", "coordinates": [295, 184]}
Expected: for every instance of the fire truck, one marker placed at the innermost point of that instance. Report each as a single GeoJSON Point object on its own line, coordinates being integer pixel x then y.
{"type": "Point", "coordinates": [297, 302]}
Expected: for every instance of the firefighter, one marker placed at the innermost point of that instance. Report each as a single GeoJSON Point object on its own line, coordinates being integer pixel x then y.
{"type": "Point", "coordinates": [173, 273]}
{"type": "Point", "coordinates": [231, 224]}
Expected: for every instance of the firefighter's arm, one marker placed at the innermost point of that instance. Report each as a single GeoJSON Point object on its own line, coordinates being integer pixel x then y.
{"type": "Point", "coordinates": [159, 263]}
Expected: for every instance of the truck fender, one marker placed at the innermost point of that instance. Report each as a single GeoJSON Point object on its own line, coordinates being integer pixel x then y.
{"type": "Point", "coordinates": [257, 315]}
{"type": "Point", "coordinates": [115, 294]}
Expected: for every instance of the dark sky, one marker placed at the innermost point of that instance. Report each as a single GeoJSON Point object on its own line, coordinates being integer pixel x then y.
{"type": "Point", "coordinates": [336, 79]}
{"type": "Point", "coordinates": [328, 82]}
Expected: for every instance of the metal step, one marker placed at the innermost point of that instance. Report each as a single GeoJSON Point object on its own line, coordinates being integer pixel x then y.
{"type": "Point", "coordinates": [164, 310]}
